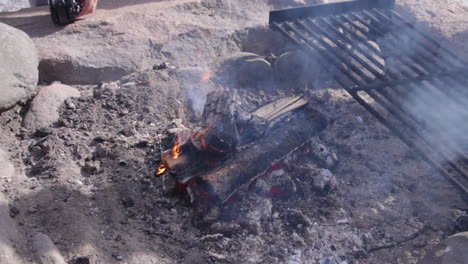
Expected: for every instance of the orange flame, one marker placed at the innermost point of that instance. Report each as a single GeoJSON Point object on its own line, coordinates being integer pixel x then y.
{"type": "Point", "coordinates": [307, 150]}
{"type": "Point", "coordinates": [161, 169]}
{"type": "Point", "coordinates": [206, 76]}
{"type": "Point", "coordinates": [176, 148]}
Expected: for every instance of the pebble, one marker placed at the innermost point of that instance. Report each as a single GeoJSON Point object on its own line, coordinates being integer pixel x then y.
{"type": "Point", "coordinates": [211, 237]}
{"type": "Point", "coordinates": [117, 256]}
{"type": "Point", "coordinates": [299, 240]}
{"type": "Point", "coordinates": [76, 182]}
{"type": "Point", "coordinates": [70, 105]}
{"type": "Point", "coordinates": [325, 181]}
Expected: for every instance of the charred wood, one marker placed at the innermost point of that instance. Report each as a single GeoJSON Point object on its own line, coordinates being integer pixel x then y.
{"type": "Point", "coordinates": [221, 182]}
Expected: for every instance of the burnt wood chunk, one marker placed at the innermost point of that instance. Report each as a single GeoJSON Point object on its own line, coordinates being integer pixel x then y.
{"type": "Point", "coordinates": [225, 179]}
{"type": "Point", "coordinates": [218, 115]}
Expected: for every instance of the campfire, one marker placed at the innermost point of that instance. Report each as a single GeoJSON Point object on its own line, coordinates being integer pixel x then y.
{"type": "Point", "coordinates": [234, 148]}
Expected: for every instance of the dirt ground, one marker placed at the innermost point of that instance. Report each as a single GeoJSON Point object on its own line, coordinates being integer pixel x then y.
{"type": "Point", "coordinates": [88, 182]}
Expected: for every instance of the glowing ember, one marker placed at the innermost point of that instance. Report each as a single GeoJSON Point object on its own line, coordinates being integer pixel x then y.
{"type": "Point", "coordinates": [216, 149]}
{"type": "Point", "coordinates": [176, 148]}
{"type": "Point", "coordinates": [161, 170]}
{"type": "Point", "coordinates": [206, 76]}
{"type": "Point", "coordinates": [307, 150]}
{"type": "Point", "coordinates": [201, 133]}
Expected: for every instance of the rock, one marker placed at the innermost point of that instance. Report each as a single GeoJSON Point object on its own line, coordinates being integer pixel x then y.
{"type": "Point", "coordinates": [117, 256]}
{"type": "Point", "coordinates": [236, 59]}
{"type": "Point", "coordinates": [452, 250]}
{"type": "Point", "coordinates": [91, 167]}
{"type": "Point", "coordinates": [43, 132]}
{"type": "Point", "coordinates": [259, 211]}
{"type": "Point", "coordinates": [323, 155]}
{"type": "Point", "coordinates": [298, 240]}
{"type": "Point", "coordinates": [169, 183]}
{"type": "Point", "coordinates": [18, 69]}
{"type": "Point", "coordinates": [6, 168]}
{"type": "Point", "coordinates": [298, 69]}
{"type": "Point", "coordinates": [106, 90]}
{"type": "Point", "coordinates": [8, 234]}
{"type": "Point", "coordinates": [10, 6]}
{"type": "Point", "coordinates": [247, 70]}
{"type": "Point", "coordinates": [45, 250]}
{"type": "Point", "coordinates": [43, 111]}
{"type": "Point", "coordinates": [261, 187]}
{"type": "Point", "coordinates": [297, 218]}
{"type": "Point", "coordinates": [291, 66]}
{"type": "Point", "coordinates": [255, 73]}
{"type": "Point", "coordinates": [127, 202]}
{"type": "Point", "coordinates": [325, 181]}
{"type": "Point", "coordinates": [282, 185]}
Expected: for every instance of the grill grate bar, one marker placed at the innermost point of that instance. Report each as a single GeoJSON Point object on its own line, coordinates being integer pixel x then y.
{"type": "Point", "coordinates": [422, 40]}
{"type": "Point", "coordinates": [355, 44]}
{"type": "Point", "coordinates": [312, 47]}
{"type": "Point", "coordinates": [409, 122]}
{"type": "Point", "coordinates": [349, 63]}
{"type": "Point", "coordinates": [429, 72]}
{"type": "Point", "coordinates": [408, 119]}
{"type": "Point", "coordinates": [402, 60]}
{"type": "Point", "coordinates": [338, 57]}
{"type": "Point", "coordinates": [423, 60]}
{"type": "Point", "coordinates": [326, 56]}
{"type": "Point", "coordinates": [458, 179]}
{"type": "Point", "coordinates": [418, 59]}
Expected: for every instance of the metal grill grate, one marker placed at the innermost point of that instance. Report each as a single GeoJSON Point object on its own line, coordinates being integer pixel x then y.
{"type": "Point", "coordinates": [415, 66]}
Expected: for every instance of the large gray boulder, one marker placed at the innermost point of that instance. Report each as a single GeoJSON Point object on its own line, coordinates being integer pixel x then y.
{"type": "Point", "coordinates": [43, 111]}
{"type": "Point", "coordinates": [18, 68]}
{"type": "Point", "coordinates": [8, 234]}
{"type": "Point", "coordinates": [6, 168]}
{"type": "Point", "coordinates": [45, 250]}
{"type": "Point", "coordinates": [13, 5]}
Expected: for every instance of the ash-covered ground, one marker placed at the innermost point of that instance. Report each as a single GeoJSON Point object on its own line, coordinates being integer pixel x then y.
{"type": "Point", "coordinates": [88, 181]}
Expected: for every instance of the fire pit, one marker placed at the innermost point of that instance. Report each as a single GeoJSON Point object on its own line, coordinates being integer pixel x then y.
{"type": "Point", "coordinates": [236, 154]}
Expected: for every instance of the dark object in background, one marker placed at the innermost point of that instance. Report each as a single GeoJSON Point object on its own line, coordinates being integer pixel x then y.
{"type": "Point", "coordinates": [64, 11]}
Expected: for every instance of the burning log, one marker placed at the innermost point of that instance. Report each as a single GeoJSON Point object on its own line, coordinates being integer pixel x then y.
{"type": "Point", "coordinates": [218, 115]}
{"type": "Point", "coordinates": [236, 147]}
{"type": "Point", "coordinates": [222, 181]}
